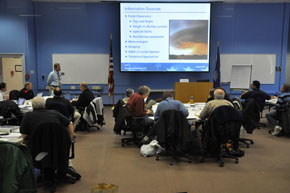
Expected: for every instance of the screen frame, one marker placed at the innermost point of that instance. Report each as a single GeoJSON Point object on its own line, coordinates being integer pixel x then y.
{"type": "Point", "coordinates": [209, 44]}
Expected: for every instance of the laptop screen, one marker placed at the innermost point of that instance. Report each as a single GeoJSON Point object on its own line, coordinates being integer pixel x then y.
{"type": "Point", "coordinates": [39, 94]}
{"type": "Point", "coordinates": [21, 101]}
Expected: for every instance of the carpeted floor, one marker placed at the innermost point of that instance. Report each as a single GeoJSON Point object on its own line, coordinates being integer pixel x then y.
{"type": "Point", "coordinates": [100, 159]}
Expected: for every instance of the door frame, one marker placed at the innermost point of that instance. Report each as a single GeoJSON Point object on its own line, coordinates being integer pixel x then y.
{"type": "Point", "coordinates": [16, 55]}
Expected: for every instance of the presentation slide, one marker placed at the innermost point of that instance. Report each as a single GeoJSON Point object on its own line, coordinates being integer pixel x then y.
{"type": "Point", "coordinates": [165, 37]}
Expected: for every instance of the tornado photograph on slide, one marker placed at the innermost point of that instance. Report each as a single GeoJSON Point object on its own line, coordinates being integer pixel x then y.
{"type": "Point", "coordinates": [188, 39]}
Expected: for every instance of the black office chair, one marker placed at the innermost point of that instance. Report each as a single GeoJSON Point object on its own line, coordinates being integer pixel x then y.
{"type": "Point", "coordinates": [260, 99]}
{"type": "Point", "coordinates": [16, 169]}
{"type": "Point", "coordinates": [122, 116]}
{"type": "Point", "coordinates": [93, 115]}
{"type": "Point", "coordinates": [251, 114]}
{"type": "Point", "coordinates": [221, 135]}
{"type": "Point", "coordinates": [11, 113]}
{"type": "Point", "coordinates": [174, 135]}
{"type": "Point", "coordinates": [131, 124]}
{"type": "Point", "coordinates": [50, 148]}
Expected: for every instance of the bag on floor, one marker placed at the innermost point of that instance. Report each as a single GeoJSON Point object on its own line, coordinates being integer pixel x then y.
{"type": "Point", "coordinates": [150, 149]}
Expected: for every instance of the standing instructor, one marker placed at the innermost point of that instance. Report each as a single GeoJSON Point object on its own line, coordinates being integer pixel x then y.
{"type": "Point", "coordinates": [54, 78]}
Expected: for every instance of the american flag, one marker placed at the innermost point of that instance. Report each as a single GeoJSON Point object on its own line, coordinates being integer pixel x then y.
{"type": "Point", "coordinates": [111, 71]}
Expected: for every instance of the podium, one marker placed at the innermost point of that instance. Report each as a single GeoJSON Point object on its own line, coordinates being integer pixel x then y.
{"type": "Point", "coordinates": [199, 90]}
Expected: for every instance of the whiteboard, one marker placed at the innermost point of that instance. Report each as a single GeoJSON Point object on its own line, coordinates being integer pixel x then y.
{"type": "Point", "coordinates": [77, 68]}
{"type": "Point", "coordinates": [263, 66]}
{"type": "Point", "coordinates": [241, 76]}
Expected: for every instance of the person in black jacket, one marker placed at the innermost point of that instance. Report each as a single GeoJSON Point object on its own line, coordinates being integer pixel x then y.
{"type": "Point", "coordinates": [85, 97]}
{"type": "Point", "coordinates": [66, 108]}
{"type": "Point", "coordinates": [26, 92]}
{"type": "Point", "coordinates": [41, 115]}
{"type": "Point", "coordinates": [258, 95]}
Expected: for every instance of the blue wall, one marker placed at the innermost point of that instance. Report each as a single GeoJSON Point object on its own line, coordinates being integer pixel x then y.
{"type": "Point", "coordinates": [17, 32]}
{"type": "Point", "coordinates": [85, 28]}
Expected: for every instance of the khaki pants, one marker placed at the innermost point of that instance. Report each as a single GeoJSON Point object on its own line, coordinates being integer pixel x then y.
{"type": "Point", "coordinates": [51, 89]}
{"type": "Point", "coordinates": [77, 117]}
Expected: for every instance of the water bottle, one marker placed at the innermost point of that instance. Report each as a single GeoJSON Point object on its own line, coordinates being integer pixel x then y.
{"type": "Point", "coordinates": [191, 100]}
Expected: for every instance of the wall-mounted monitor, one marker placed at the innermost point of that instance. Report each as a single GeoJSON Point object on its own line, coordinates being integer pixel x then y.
{"type": "Point", "coordinates": [165, 37]}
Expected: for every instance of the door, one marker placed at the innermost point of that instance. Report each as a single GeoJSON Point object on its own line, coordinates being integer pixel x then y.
{"type": "Point", "coordinates": [12, 74]}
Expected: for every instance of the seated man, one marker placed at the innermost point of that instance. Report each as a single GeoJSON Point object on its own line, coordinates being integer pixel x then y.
{"type": "Point", "coordinates": [274, 116]}
{"type": "Point", "coordinates": [169, 103]}
{"type": "Point", "coordinates": [219, 95]}
{"type": "Point", "coordinates": [136, 107]}
{"type": "Point", "coordinates": [26, 92]}
{"type": "Point", "coordinates": [258, 95]}
{"type": "Point", "coordinates": [211, 94]}
{"type": "Point", "coordinates": [41, 115]}
{"type": "Point", "coordinates": [85, 97]}
{"type": "Point", "coordinates": [69, 112]}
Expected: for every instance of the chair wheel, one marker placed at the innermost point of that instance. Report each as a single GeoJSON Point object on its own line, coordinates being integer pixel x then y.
{"type": "Point", "coordinates": [237, 161]}
{"type": "Point", "coordinates": [189, 161]}
{"type": "Point", "coordinates": [221, 164]}
{"type": "Point", "coordinates": [157, 158]}
{"type": "Point", "coordinates": [252, 142]}
{"type": "Point", "coordinates": [201, 160]}
{"type": "Point", "coordinates": [123, 145]}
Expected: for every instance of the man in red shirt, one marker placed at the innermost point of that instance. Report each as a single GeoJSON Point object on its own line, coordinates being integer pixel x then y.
{"type": "Point", "coordinates": [136, 106]}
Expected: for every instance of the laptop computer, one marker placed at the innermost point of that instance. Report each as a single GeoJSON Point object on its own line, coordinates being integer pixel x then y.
{"type": "Point", "coordinates": [39, 94]}
{"type": "Point", "coordinates": [21, 101]}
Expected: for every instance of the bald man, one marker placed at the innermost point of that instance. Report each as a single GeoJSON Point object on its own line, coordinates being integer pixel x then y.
{"type": "Point", "coordinates": [26, 92]}
{"type": "Point", "coordinates": [219, 100]}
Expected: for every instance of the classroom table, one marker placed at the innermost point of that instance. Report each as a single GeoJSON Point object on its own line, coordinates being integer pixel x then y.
{"type": "Point", "coordinates": [10, 133]}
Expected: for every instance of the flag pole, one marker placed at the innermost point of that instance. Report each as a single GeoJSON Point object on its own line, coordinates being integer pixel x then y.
{"type": "Point", "coordinates": [111, 83]}
{"type": "Point", "coordinates": [111, 48]}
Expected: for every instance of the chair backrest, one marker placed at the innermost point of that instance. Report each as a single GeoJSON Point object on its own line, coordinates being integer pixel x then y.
{"type": "Point", "coordinates": [172, 129]}
{"type": "Point", "coordinates": [251, 114]}
{"type": "Point", "coordinates": [58, 106]}
{"type": "Point", "coordinates": [9, 109]}
{"type": "Point", "coordinates": [222, 126]}
{"type": "Point", "coordinates": [285, 118]}
{"type": "Point", "coordinates": [259, 98]}
{"type": "Point", "coordinates": [53, 138]}
{"type": "Point", "coordinates": [94, 112]}
{"type": "Point", "coordinates": [16, 169]}
{"type": "Point", "coordinates": [122, 116]}
{"type": "Point", "coordinates": [237, 104]}
{"type": "Point", "coordinates": [14, 94]}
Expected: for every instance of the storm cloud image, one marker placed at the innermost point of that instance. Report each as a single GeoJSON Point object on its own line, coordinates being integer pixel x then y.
{"type": "Point", "coordinates": [188, 39]}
